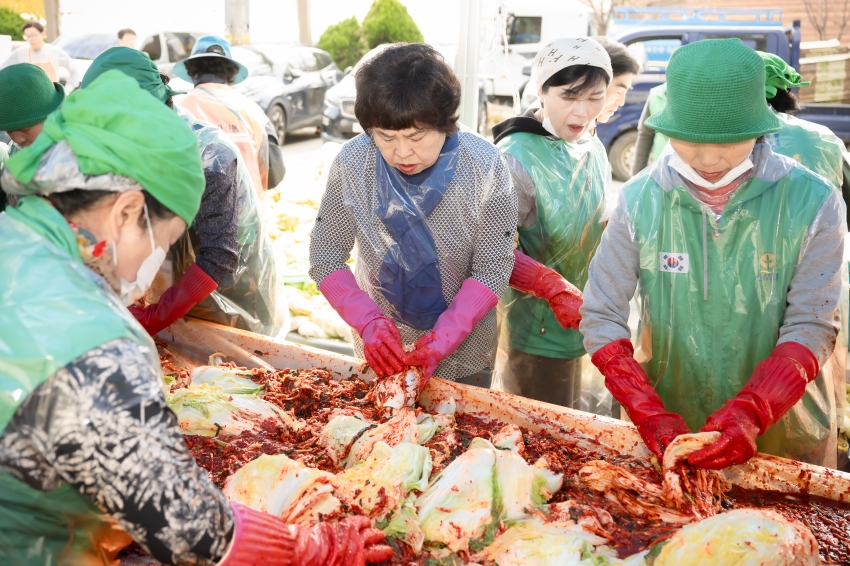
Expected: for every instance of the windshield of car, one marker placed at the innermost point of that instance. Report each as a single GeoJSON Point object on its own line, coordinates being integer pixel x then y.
{"type": "Point", "coordinates": [86, 46]}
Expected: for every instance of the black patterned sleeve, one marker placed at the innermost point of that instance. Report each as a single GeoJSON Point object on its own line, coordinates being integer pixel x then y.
{"type": "Point", "coordinates": [101, 424]}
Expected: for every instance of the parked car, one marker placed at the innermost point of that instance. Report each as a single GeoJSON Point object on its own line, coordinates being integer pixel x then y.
{"type": "Point", "coordinates": [670, 28]}
{"type": "Point", "coordinates": [84, 49]}
{"type": "Point", "coordinates": [289, 82]}
{"type": "Point", "coordinates": [168, 47]}
{"type": "Point", "coordinates": [338, 121]}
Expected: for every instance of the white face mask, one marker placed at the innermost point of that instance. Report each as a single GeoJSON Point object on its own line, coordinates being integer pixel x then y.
{"type": "Point", "coordinates": [133, 291]}
{"type": "Point", "coordinates": [547, 125]}
{"type": "Point", "coordinates": [689, 173]}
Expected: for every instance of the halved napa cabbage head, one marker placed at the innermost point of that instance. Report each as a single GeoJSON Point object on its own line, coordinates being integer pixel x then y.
{"type": "Point", "coordinates": [458, 504]}
{"type": "Point", "coordinates": [232, 381]}
{"type": "Point", "coordinates": [350, 439]}
{"type": "Point", "coordinates": [536, 542]}
{"type": "Point", "coordinates": [740, 538]}
{"type": "Point", "coordinates": [207, 410]}
{"type": "Point", "coordinates": [379, 484]}
{"type": "Point", "coordinates": [284, 488]}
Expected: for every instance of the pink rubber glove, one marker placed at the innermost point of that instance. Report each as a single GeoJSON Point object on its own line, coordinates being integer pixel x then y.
{"type": "Point", "coordinates": [627, 382]}
{"type": "Point", "coordinates": [531, 277]}
{"type": "Point", "coordinates": [382, 345]}
{"type": "Point", "coordinates": [260, 539]}
{"type": "Point", "coordinates": [470, 305]}
{"type": "Point", "coordinates": [776, 385]}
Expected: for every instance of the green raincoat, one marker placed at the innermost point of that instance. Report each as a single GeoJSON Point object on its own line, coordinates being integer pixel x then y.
{"type": "Point", "coordinates": [569, 180]}
{"type": "Point", "coordinates": [716, 294]}
{"type": "Point", "coordinates": [813, 145]}
{"type": "Point", "coordinates": [62, 312]}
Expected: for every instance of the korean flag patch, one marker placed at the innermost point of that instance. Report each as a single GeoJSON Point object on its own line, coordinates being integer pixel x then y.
{"type": "Point", "coordinates": [673, 262]}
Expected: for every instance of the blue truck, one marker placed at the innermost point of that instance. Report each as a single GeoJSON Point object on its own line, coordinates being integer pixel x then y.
{"type": "Point", "coordinates": [655, 33]}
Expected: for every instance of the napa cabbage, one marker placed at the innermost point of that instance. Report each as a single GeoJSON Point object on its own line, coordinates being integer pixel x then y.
{"type": "Point", "coordinates": [379, 484]}
{"type": "Point", "coordinates": [284, 488]}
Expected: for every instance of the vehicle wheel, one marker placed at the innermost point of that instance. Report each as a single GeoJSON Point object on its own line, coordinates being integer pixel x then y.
{"type": "Point", "coordinates": [278, 119]}
{"type": "Point", "coordinates": [622, 155]}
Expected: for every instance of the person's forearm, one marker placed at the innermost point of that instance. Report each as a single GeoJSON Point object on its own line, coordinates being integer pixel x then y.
{"type": "Point", "coordinates": [277, 169]}
{"type": "Point", "coordinates": [643, 145]}
{"type": "Point", "coordinates": [612, 280]}
{"type": "Point", "coordinates": [217, 223]}
{"type": "Point", "coordinates": [332, 238]}
{"type": "Point", "coordinates": [811, 318]}
{"type": "Point", "coordinates": [493, 242]}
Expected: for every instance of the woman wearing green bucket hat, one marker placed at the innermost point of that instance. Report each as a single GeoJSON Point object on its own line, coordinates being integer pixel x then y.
{"type": "Point", "coordinates": [736, 253]}
{"type": "Point", "coordinates": [90, 454]}
{"type": "Point", "coordinates": [27, 97]}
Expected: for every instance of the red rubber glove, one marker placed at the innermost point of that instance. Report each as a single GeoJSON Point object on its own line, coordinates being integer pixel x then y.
{"type": "Point", "coordinates": [627, 382]}
{"type": "Point", "coordinates": [776, 385]}
{"type": "Point", "coordinates": [382, 347]}
{"type": "Point", "coordinates": [191, 289]}
{"type": "Point", "coordinates": [260, 539]}
{"type": "Point", "coordinates": [470, 305]}
{"type": "Point", "coordinates": [533, 278]}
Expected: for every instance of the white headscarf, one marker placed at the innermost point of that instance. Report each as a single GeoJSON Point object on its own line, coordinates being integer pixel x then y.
{"type": "Point", "coordinates": [566, 52]}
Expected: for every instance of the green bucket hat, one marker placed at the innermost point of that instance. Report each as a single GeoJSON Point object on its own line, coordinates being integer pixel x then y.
{"type": "Point", "coordinates": [133, 63]}
{"type": "Point", "coordinates": [27, 96]}
{"type": "Point", "coordinates": [114, 127]}
{"type": "Point", "coordinates": [715, 94]}
{"type": "Point", "coordinates": [779, 75]}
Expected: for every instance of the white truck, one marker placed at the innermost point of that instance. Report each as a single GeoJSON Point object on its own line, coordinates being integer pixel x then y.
{"type": "Point", "coordinates": [519, 30]}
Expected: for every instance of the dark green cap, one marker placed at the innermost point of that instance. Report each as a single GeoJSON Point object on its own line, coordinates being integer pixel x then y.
{"type": "Point", "coordinates": [27, 96]}
{"type": "Point", "coordinates": [715, 94]}
{"type": "Point", "coordinates": [133, 63]}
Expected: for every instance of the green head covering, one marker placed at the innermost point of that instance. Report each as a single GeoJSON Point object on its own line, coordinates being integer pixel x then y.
{"type": "Point", "coordinates": [114, 127]}
{"type": "Point", "coordinates": [27, 96]}
{"type": "Point", "coordinates": [779, 75]}
{"type": "Point", "coordinates": [134, 64]}
{"type": "Point", "coordinates": [715, 94]}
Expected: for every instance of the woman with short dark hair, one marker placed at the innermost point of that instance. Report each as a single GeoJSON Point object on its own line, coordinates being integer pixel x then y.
{"type": "Point", "coordinates": [432, 213]}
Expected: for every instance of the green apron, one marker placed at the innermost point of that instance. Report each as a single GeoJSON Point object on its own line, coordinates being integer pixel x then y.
{"type": "Point", "coordinates": [52, 312]}
{"type": "Point", "coordinates": [813, 145]}
{"type": "Point", "coordinates": [569, 179]}
{"type": "Point", "coordinates": [699, 351]}
{"type": "Point", "coordinates": [657, 101]}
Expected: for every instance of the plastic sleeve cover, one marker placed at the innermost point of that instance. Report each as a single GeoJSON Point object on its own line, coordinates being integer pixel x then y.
{"type": "Point", "coordinates": [811, 318]}
{"type": "Point", "coordinates": [217, 224]}
{"type": "Point", "coordinates": [101, 424]}
{"type": "Point", "coordinates": [612, 280]}
{"type": "Point", "coordinates": [643, 145]}
{"type": "Point", "coordinates": [525, 191]}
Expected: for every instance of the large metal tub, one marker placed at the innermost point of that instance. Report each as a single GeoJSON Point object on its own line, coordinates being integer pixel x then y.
{"type": "Point", "coordinates": [192, 342]}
